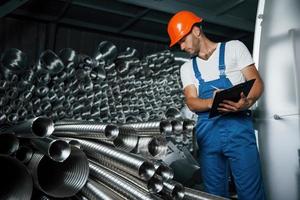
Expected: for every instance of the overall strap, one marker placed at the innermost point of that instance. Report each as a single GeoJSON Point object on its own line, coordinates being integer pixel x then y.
{"type": "Point", "coordinates": [222, 66]}
{"type": "Point", "coordinates": [196, 70]}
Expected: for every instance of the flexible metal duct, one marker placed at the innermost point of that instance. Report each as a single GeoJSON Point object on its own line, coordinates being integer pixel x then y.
{"type": "Point", "coordinates": [15, 60]}
{"type": "Point", "coordinates": [106, 51]}
{"type": "Point", "coordinates": [50, 62]}
{"type": "Point", "coordinates": [87, 130]}
{"type": "Point", "coordinates": [24, 154]}
{"type": "Point", "coordinates": [192, 194]}
{"type": "Point", "coordinates": [60, 179]}
{"type": "Point", "coordinates": [67, 55]}
{"type": "Point", "coordinates": [130, 163]}
{"type": "Point", "coordinates": [118, 184]}
{"type": "Point", "coordinates": [163, 170]}
{"type": "Point", "coordinates": [97, 191]}
{"type": "Point", "coordinates": [173, 189]}
{"type": "Point", "coordinates": [173, 113]}
{"type": "Point", "coordinates": [15, 182]}
{"type": "Point", "coordinates": [177, 126]}
{"type": "Point", "coordinates": [56, 149]}
{"type": "Point", "coordinates": [153, 185]}
{"type": "Point", "coordinates": [33, 128]}
{"type": "Point", "coordinates": [163, 126]}
{"type": "Point", "coordinates": [152, 146]}
{"type": "Point", "coordinates": [188, 125]}
{"type": "Point", "coordinates": [9, 143]}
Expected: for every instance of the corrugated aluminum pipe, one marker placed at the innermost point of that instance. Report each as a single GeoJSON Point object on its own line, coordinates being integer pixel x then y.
{"type": "Point", "coordinates": [97, 191]}
{"type": "Point", "coordinates": [173, 190]}
{"type": "Point", "coordinates": [163, 170]}
{"type": "Point", "coordinates": [173, 113]}
{"type": "Point", "coordinates": [106, 51]}
{"type": "Point", "coordinates": [15, 182]}
{"type": "Point", "coordinates": [60, 179]}
{"type": "Point", "coordinates": [177, 126]}
{"type": "Point", "coordinates": [127, 139]}
{"type": "Point", "coordinates": [93, 130]}
{"type": "Point", "coordinates": [118, 184]}
{"type": "Point", "coordinates": [153, 185]}
{"type": "Point", "coordinates": [192, 194]}
{"type": "Point", "coordinates": [163, 126]}
{"type": "Point", "coordinates": [55, 148]}
{"type": "Point", "coordinates": [109, 156]}
{"type": "Point", "coordinates": [33, 128]}
{"type": "Point", "coordinates": [72, 142]}
{"type": "Point", "coordinates": [24, 154]}
{"type": "Point", "coordinates": [9, 143]}
{"type": "Point", "coordinates": [188, 125]}
{"type": "Point", "coordinates": [152, 146]}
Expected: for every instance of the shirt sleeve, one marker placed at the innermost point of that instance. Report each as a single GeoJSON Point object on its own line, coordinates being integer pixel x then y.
{"type": "Point", "coordinates": [243, 57]}
{"type": "Point", "coordinates": [187, 74]}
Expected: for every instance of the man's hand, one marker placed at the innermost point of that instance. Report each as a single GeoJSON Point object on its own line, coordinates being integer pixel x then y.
{"type": "Point", "coordinates": [230, 106]}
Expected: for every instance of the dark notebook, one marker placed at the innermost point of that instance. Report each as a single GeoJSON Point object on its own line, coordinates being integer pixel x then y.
{"type": "Point", "coordinates": [232, 94]}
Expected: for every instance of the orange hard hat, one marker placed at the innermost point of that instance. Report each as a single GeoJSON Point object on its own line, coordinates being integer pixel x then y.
{"type": "Point", "coordinates": [180, 25]}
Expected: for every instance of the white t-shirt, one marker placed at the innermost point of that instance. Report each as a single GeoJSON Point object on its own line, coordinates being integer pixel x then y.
{"type": "Point", "coordinates": [237, 57]}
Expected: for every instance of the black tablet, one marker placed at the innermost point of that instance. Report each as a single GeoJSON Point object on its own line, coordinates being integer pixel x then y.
{"type": "Point", "coordinates": [232, 94]}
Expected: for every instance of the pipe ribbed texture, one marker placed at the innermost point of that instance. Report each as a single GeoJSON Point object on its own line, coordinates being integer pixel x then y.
{"type": "Point", "coordinates": [119, 184]}
{"type": "Point", "coordinates": [163, 126]}
{"type": "Point", "coordinates": [163, 170]}
{"type": "Point", "coordinates": [191, 194]}
{"type": "Point", "coordinates": [33, 128]}
{"type": "Point", "coordinates": [97, 191]}
{"type": "Point", "coordinates": [56, 149]}
{"type": "Point", "coordinates": [131, 163]}
{"type": "Point", "coordinates": [152, 146]}
{"type": "Point", "coordinates": [15, 181]}
{"type": "Point", "coordinates": [9, 143]}
{"type": "Point", "coordinates": [173, 190]}
{"type": "Point", "coordinates": [24, 154]}
{"type": "Point", "coordinates": [60, 179]}
{"type": "Point", "coordinates": [105, 131]}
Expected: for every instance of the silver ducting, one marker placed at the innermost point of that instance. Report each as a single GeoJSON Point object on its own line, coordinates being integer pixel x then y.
{"type": "Point", "coordinates": [119, 184]}
{"type": "Point", "coordinates": [33, 128]}
{"type": "Point", "coordinates": [15, 181]}
{"type": "Point", "coordinates": [109, 156]}
{"type": "Point", "coordinates": [60, 179]}
{"type": "Point", "coordinates": [192, 194]}
{"type": "Point", "coordinates": [163, 170]}
{"type": "Point", "coordinates": [173, 189]}
{"type": "Point", "coordinates": [163, 127]}
{"type": "Point", "coordinates": [56, 149]}
{"type": "Point", "coordinates": [97, 191]}
{"type": "Point", "coordinates": [24, 154]}
{"type": "Point", "coordinates": [87, 130]}
{"type": "Point", "coordinates": [9, 143]}
{"type": "Point", "coordinates": [152, 146]}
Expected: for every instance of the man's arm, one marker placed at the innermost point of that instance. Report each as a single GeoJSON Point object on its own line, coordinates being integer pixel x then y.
{"type": "Point", "coordinates": [194, 102]}
{"type": "Point", "coordinates": [249, 72]}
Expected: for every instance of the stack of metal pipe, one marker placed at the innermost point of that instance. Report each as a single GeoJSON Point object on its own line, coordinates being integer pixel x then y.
{"type": "Point", "coordinates": [109, 86]}
{"type": "Point", "coordinates": [112, 114]}
{"type": "Point", "coordinates": [32, 153]}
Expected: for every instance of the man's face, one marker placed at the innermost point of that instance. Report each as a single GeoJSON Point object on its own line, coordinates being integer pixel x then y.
{"type": "Point", "coordinates": [189, 44]}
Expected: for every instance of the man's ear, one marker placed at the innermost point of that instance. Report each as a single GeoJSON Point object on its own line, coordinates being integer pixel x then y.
{"type": "Point", "coordinates": [196, 31]}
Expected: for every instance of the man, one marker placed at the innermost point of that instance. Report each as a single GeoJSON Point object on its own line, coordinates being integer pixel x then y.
{"type": "Point", "coordinates": [227, 141]}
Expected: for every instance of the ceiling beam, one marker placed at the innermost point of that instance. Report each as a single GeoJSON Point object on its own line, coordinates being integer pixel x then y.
{"type": "Point", "coordinates": [171, 6]}
{"type": "Point", "coordinates": [10, 6]}
{"type": "Point", "coordinates": [228, 6]}
{"type": "Point", "coordinates": [133, 20]}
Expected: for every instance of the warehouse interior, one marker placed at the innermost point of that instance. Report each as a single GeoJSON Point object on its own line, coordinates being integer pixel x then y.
{"type": "Point", "coordinates": [92, 105]}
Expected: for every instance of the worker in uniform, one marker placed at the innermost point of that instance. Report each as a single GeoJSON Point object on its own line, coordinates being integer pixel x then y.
{"type": "Point", "coordinates": [226, 142]}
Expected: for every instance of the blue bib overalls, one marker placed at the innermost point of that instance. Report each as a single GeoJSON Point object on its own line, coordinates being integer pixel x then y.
{"type": "Point", "coordinates": [227, 142]}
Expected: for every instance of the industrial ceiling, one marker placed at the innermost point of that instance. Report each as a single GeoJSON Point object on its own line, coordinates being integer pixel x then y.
{"type": "Point", "coordinates": [146, 19]}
